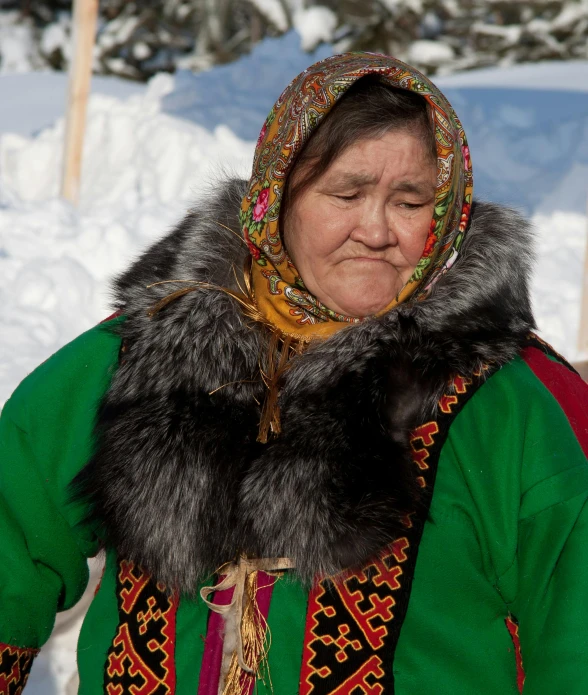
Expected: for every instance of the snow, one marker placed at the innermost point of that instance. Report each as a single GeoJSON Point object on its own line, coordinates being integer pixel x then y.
{"type": "Point", "coordinates": [569, 17]}
{"type": "Point", "coordinates": [142, 169]}
{"type": "Point", "coordinates": [558, 275]}
{"type": "Point", "coordinates": [133, 152]}
{"type": "Point", "coordinates": [141, 50]}
{"type": "Point", "coordinates": [550, 75]}
{"type": "Point", "coordinates": [399, 6]}
{"type": "Point", "coordinates": [315, 25]}
{"type": "Point", "coordinates": [53, 37]}
{"type": "Point", "coordinates": [33, 101]}
{"type": "Point", "coordinates": [427, 52]}
{"type": "Point", "coordinates": [16, 44]}
{"type": "Point", "coordinates": [240, 94]}
{"type": "Point", "coordinates": [273, 11]}
{"type": "Point", "coordinates": [151, 152]}
{"type": "Point", "coordinates": [510, 34]}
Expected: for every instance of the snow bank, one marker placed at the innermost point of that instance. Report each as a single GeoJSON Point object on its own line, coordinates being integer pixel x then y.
{"type": "Point", "coordinates": [132, 153]}
{"type": "Point", "coordinates": [525, 143]}
{"type": "Point", "coordinates": [33, 101]}
{"type": "Point", "coordinates": [561, 245]}
{"type": "Point", "coordinates": [142, 169]}
{"type": "Point", "coordinates": [148, 156]}
{"type": "Point", "coordinates": [550, 75]}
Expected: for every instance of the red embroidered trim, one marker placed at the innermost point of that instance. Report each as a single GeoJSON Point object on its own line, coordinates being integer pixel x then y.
{"type": "Point", "coordinates": [353, 624]}
{"type": "Point", "coordinates": [141, 657]}
{"type": "Point", "coordinates": [15, 666]}
{"type": "Point", "coordinates": [366, 600]}
{"type": "Point", "coordinates": [513, 628]}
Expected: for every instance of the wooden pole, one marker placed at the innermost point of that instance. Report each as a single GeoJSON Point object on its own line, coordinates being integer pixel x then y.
{"type": "Point", "coordinates": [85, 14]}
{"type": "Point", "coordinates": [583, 329]}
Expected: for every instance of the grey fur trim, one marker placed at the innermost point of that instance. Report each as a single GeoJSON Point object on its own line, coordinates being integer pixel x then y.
{"type": "Point", "coordinates": [180, 483]}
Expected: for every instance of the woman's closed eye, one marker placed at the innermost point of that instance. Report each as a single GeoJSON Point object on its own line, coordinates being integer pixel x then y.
{"type": "Point", "coordinates": [346, 196]}
{"type": "Point", "coordinates": [411, 206]}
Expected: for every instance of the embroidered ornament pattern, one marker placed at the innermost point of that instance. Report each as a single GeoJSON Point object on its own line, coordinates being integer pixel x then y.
{"type": "Point", "coordinates": [15, 666]}
{"type": "Point", "coordinates": [141, 657]}
{"type": "Point", "coordinates": [353, 621]}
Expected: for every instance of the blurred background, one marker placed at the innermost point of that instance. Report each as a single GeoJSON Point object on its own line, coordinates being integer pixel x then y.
{"type": "Point", "coordinates": [136, 40]}
{"type": "Point", "coordinates": [179, 91]}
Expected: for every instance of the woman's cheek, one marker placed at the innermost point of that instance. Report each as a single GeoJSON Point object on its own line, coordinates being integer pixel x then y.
{"type": "Point", "coordinates": [412, 235]}
{"type": "Point", "coordinates": [332, 231]}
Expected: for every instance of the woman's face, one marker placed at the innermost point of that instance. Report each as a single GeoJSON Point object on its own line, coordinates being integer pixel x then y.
{"type": "Point", "coordinates": [357, 233]}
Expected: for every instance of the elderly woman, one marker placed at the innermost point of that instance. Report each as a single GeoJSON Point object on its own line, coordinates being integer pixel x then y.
{"type": "Point", "coordinates": [342, 412]}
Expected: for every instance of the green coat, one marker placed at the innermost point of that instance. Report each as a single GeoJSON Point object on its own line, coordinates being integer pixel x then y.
{"type": "Point", "coordinates": [507, 537]}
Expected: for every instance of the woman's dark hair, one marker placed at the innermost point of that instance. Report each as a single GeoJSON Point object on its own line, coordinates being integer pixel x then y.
{"type": "Point", "coordinates": [369, 109]}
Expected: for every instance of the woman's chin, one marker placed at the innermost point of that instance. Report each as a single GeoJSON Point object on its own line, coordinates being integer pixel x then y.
{"type": "Point", "coordinates": [362, 306]}
{"type": "Point", "coordinates": [361, 294]}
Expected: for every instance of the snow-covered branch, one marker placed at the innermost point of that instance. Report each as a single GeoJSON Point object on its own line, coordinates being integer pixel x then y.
{"type": "Point", "coordinates": [138, 39]}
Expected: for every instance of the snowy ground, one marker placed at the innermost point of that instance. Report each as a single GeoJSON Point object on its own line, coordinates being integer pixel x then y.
{"type": "Point", "coordinates": [150, 152]}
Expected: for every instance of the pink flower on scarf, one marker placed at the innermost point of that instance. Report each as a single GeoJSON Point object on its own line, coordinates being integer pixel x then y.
{"type": "Point", "coordinates": [262, 134]}
{"type": "Point", "coordinates": [467, 162]}
{"type": "Point", "coordinates": [261, 205]}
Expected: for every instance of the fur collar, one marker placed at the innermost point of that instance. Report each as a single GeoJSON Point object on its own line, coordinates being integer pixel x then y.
{"type": "Point", "coordinates": [178, 481]}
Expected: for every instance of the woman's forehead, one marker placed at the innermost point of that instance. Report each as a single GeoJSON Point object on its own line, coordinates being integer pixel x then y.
{"type": "Point", "coordinates": [362, 162]}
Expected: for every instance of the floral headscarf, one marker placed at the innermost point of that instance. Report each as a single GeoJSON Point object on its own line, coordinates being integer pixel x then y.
{"type": "Point", "coordinates": [278, 289]}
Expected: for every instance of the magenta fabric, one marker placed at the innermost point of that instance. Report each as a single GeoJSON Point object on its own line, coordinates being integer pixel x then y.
{"type": "Point", "coordinates": [213, 644]}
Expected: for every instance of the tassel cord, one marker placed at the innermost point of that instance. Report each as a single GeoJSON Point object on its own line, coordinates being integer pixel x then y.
{"type": "Point", "coordinates": [243, 616]}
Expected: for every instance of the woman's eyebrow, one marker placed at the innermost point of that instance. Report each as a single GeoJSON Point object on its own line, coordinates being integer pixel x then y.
{"type": "Point", "coordinates": [352, 179]}
{"type": "Point", "coordinates": [413, 187]}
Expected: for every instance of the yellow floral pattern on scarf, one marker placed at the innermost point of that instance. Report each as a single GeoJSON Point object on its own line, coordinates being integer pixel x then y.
{"type": "Point", "coordinates": [278, 289]}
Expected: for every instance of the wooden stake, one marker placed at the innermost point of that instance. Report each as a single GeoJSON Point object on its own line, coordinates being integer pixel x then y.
{"type": "Point", "coordinates": [583, 330]}
{"type": "Point", "coordinates": [84, 32]}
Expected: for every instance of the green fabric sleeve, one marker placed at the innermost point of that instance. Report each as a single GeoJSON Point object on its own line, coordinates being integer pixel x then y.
{"type": "Point", "coordinates": [45, 440]}
{"type": "Point", "coordinates": [41, 566]}
{"type": "Point", "coordinates": [549, 579]}
{"type": "Point", "coordinates": [553, 605]}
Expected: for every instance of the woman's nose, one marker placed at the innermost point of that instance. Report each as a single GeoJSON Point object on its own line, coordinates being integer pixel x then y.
{"type": "Point", "coordinates": [374, 228]}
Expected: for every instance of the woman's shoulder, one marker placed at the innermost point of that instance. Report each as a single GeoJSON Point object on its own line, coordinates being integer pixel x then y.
{"type": "Point", "coordinates": [540, 380]}
{"type": "Point", "coordinates": [76, 375]}
{"type": "Point", "coordinates": [531, 417]}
